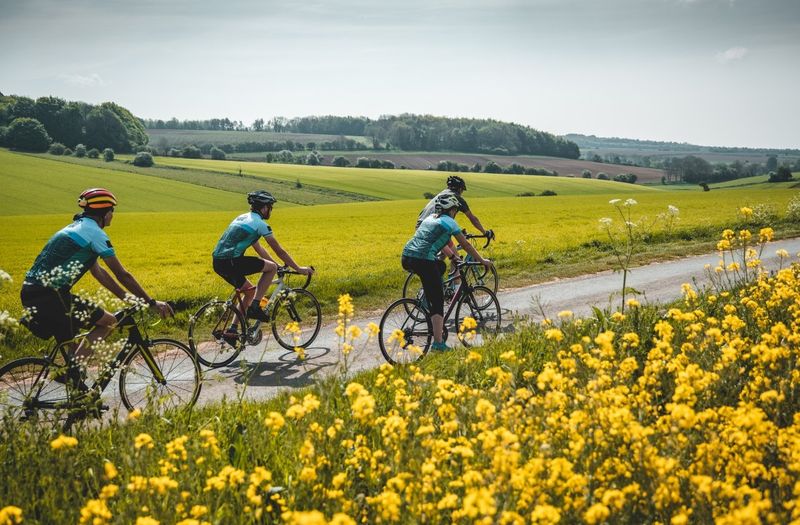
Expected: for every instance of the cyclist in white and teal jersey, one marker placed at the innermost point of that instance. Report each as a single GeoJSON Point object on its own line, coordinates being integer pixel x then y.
{"type": "Point", "coordinates": [231, 264]}
{"type": "Point", "coordinates": [455, 187]}
{"type": "Point", "coordinates": [52, 310]}
{"type": "Point", "coordinates": [419, 257]}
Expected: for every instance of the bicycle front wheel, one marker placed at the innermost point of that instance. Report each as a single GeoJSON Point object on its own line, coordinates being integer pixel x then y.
{"type": "Point", "coordinates": [26, 387]}
{"type": "Point", "coordinates": [480, 305]}
{"type": "Point", "coordinates": [165, 374]}
{"type": "Point", "coordinates": [296, 319]}
{"type": "Point", "coordinates": [405, 332]}
{"type": "Point", "coordinates": [211, 336]}
{"type": "Point", "coordinates": [480, 276]}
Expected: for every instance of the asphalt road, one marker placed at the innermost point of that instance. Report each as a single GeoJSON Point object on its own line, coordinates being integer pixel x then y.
{"type": "Point", "coordinates": [262, 371]}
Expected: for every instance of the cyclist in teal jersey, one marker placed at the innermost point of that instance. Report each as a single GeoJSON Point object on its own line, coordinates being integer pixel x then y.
{"type": "Point", "coordinates": [419, 256]}
{"type": "Point", "coordinates": [455, 187]}
{"type": "Point", "coordinates": [231, 264]}
{"type": "Point", "coordinates": [52, 310]}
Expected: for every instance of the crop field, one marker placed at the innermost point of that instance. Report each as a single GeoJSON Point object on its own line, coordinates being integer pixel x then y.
{"type": "Point", "coordinates": [408, 184]}
{"type": "Point", "coordinates": [181, 137]}
{"type": "Point", "coordinates": [422, 160]}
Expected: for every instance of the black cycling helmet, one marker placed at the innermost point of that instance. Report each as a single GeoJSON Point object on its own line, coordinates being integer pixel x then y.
{"type": "Point", "coordinates": [260, 198]}
{"type": "Point", "coordinates": [454, 182]}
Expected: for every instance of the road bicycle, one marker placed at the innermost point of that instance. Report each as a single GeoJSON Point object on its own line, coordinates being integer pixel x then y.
{"type": "Point", "coordinates": [160, 372]}
{"type": "Point", "coordinates": [477, 275]}
{"type": "Point", "coordinates": [294, 312]}
{"type": "Point", "coordinates": [406, 331]}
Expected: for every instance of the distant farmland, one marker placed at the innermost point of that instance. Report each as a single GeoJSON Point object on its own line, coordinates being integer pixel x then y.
{"type": "Point", "coordinates": [424, 159]}
{"type": "Point", "coordinates": [171, 138]}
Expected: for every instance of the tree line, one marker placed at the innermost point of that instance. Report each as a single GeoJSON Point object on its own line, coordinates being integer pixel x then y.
{"type": "Point", "coordinates": [32, 125]}
{"type": "Point", "coordinates": [696, 170]}
{"type": "Point", "coordinates": [407, 132]}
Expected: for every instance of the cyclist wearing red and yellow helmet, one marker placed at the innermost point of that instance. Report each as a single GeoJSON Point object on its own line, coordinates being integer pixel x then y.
{"type": "Point", "coordinates": [52, 310]}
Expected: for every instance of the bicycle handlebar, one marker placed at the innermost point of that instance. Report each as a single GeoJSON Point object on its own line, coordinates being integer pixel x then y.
{"type": "Point", "coordinates": [489, 236]}
{"type": "Point", "coordinates": [286, 270]}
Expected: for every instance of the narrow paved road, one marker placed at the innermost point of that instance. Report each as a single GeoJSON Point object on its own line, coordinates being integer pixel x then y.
{"type": "Point", "coordinates": [263, 371]}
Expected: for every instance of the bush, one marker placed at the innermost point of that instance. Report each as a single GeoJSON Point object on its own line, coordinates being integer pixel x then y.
{"type": "Point", "coordinates": [108, 154]}
{"type": "Point", "coordinates": [387, 164]}
{"type": "Point", "coordinates": [602, 176]}
{"type": "Point", "coordinates": [56, 148]}
{"type": "Point", "coordinates": [80, 151]}
{"type": "Point", "coordinates": [143, 159]}
{"type": "Point", "coordinates": [428, 195]}
{"type": "Point", "coordinates": [191, 152]}
{"type": "Point", "coordinates": [793, 208]}
{"type": "Point", "coordinates": [526, 194]}
{"type": "Point", "coordinates": [67, 152]}
{"type": "Point", "coordinates": [217, 153]}
{"type": "Point", "coordinates": [492, 167]}
{"type": "Point", "coordinates": [174, 152]}
{"type": "Point", "coordinates": [362, 162]}
{"type": "Point", "coordinates": [586, 174]}
{"type": "Point", "coordinates": [27, 134]}
{"type": "Point", "coordinates": [341, 162]}
{"type": "Point", "coordinates": [784, 174]}
{"type": "Point", "coordinates": [93, 153]}
{"type": "Point", "coordinates": [630, 178]}
{"type": "Point", "coordinates": [514, 169]}
{"type": "Point", "coordinates": [548, 193]}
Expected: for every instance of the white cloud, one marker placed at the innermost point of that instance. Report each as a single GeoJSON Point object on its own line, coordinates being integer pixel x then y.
{"type": "Point", "coordinates": [734, 53]}
{"type": "Point", "coordinates": [91, 80]}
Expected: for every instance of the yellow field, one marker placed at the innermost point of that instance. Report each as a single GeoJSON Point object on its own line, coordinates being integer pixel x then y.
{"type": "Point", "coordinates": [356, 247]}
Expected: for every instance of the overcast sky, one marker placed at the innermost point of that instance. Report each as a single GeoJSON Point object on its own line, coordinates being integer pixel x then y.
{"type": "Point", "coordinates": [713, 72]}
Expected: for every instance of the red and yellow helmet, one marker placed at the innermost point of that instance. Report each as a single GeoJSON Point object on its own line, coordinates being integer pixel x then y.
{"type": "Point", "coordinates": [97, 199]}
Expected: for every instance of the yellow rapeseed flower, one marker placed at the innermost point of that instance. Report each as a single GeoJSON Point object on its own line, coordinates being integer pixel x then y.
{"type": "Point", "coordinates": [63, 442]}
{"type": "Point", "coordinates": [143, 441]}
{"type": "Point", "coordinates": [10, 515]}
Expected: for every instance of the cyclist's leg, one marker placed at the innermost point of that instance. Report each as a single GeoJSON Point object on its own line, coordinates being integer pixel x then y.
{"type": "Point", "coordinates": [430, 273]}
{"type": "Point", "coordinates": [268, 272]}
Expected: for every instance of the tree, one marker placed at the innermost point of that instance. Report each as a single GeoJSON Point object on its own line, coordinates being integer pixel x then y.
{"type": "Point", "coordinates": [108, 154]}
{"type": "Point", "coordinates": [341, 162]}
{"type": "Point", "coordinates": [258, 124]}
{"type": "Point", "coordinates": [783, 174]}
{"type": "Point", "coordinates": [602, 176]}
{"type": "Point", "coordinates": [492, 167]}
{"type": "Point", "coordinates": [104, 128]}
{"type": "Point", "coordinates": [80, 151]}
{"type": "Point", "coordinates": [217, 153]}
{"type": "Point", "coordinates": [772, 163]}
{"type": "Point", "coordinates": [586, 174]}
{"type": "Point", "coordinates": [27, 134]}
{"type": "Point", "coordinates": [143, 159]}
{"type": "Point", "coordinates": [93, 153]}
{"type": "Point", "coordinates": [191, 152]}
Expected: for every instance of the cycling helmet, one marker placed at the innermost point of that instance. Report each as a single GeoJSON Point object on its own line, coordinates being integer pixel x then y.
{"type": "Point", "coordinates": [97, 199]}
{"type": "Point", "coordinates": [454, 182]}
{"type": "Point", "coordinates": [446, 201]}
{"type": "Point", "coordinates": [260, 198]}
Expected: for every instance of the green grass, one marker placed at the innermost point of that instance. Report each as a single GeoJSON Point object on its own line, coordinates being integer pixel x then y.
{"type": "Point", "coordinates": [239, 181]}
{"type": "Point", "coordinates": [409, 184]}
{"type": "Point", "coordinates": [35, 185]}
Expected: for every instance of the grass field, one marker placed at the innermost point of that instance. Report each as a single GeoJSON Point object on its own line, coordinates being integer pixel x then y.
{"type": "Point", "coordinates": [408, 184]}
{"type": "Point", "coordinates": [165, 230]}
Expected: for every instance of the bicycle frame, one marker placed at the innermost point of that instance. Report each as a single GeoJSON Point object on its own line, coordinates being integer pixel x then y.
{"type": "Point", "coordinates": [135, 340]}
{"type": "Point", "coordinates": [281, 287]}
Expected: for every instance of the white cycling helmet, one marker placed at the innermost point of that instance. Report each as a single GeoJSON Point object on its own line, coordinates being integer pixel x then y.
{"type": "Point", "coordinates": [445, 202]}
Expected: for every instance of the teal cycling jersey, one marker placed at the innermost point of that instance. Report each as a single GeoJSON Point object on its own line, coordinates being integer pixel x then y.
{"type": "Point", "coordinates": [69, 254]}
{"type": "Point", "coordinates": [245, 229]}
{"type": "Point", "coordinates": [431, 236]}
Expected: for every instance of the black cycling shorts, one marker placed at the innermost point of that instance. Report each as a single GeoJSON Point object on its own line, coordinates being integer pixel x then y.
{"type": "Point", "coordinates": [56, 313]}
{"type": "Point", "coordinates": [235, 270]}
{"type": "Point", "coordinates": [430, 272]}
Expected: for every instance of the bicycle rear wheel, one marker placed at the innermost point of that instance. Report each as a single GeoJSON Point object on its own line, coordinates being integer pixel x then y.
{"type": "Point", "coordinates": [179, 381]}
{"type": "Point", "coordinates": [480, 304]}
{"type": "Point", "coordinates": [405, 332]}
{"type": "Point", "coordinates": [301, 307]}
{"type": "Point", "coordinates": [26, 387]}
{"type": "Point", "coordinates": [210, 336]}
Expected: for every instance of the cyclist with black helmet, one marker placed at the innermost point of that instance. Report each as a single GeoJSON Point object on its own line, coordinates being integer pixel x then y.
{"type": "Point", "coordinates": [231, 264]}
{"type": "Point", "coordinates": [52, 310]}
{"type": "Point", "coordinates": [419, 256]}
